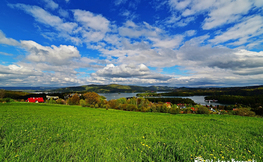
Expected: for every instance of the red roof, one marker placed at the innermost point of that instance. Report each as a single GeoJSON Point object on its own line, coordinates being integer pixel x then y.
{"type": "Point", "coordinates": [35, 99]}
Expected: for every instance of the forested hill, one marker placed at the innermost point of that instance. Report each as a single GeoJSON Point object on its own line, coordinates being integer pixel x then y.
{"type": "Point", "coordinates": [241, 91]}
{"type": "Point", "coordinates": [114, 88]}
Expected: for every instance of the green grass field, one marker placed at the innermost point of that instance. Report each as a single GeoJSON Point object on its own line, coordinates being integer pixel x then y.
{"type": "Point", "coordinates": [42, 132]}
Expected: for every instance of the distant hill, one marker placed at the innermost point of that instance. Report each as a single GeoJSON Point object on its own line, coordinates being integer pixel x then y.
{"type": "Point", "coordinates": [29, 88]}
{"type": "Point", "coordinates": [113, 88]}
{"type": "Point", "coordinates": [241, 91]}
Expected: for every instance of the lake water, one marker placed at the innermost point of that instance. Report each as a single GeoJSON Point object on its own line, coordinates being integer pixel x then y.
{"type": "Point", "coordinates": [196, 99]}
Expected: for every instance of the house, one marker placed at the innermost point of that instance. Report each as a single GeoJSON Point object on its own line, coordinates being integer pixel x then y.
{"type": "Point", "coordinates": [35, 99]}
{"type": "Point", "coordinates": [53, 97]}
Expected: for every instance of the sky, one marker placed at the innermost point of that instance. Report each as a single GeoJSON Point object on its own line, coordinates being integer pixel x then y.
{"type": "Point", "coordinates": [190, 43]}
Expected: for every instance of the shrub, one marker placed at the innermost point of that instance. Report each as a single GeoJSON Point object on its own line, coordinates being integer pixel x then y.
{"type": "Point", "coordinates": [96, 106]}
{"type": "Point", "coordinates": [74, 100]}
{"type": "Point", "coordinates": [51, 101]}
{"type": "Point", "coordinates": [82, 103]}
{"type": "Point", "coordinates": [164, 108]}
{"type": "Point", "coordinates": [123, 106]}
{"type": "Point", "coordinates": [122, 100]}
{"type": "Point", "coordinates": [245, 112]}
{"type": "Point", "coordinates": [222, 112]}
{"type": "Point", "coordinates": [153, 108]}
{"type": "Point", "coordinates": [60, 101]}
{"type": "Point", "coordinates": [113, 104]}
{"type": "Point", "coordinates": [131, 107]}
{"type": "Point", "coordinates": [145, 109]}
{"type": "Point", "coordinates": [187, 111]}
{"type": "Point", "coordinates": [4, 100]}
{"type": "Point", "coordinates": [202, 110]}
{"type": "Point", "coordinates": [2, 93]}
{"type": "Point", "coordinates": [92, 97]}
{"type": "Point", "coordinates": [174, 110]}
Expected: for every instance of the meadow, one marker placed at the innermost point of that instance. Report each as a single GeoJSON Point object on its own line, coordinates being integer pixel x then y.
{"type": "Point", "coordinates": [48, 132]}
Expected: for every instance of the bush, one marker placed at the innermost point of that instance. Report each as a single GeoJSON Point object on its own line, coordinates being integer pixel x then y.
{"type": "Point", "coordinates": [60, 101]}
{"type": "Point", "coordinates": [2, 93]}
{"type": "Point", "coordinates": [187, 111]}
{"type": "Point", "coordinates": [222, 112]}
{"type": "Point", "coordinates": [131, 107]}
{"type": "Point", "coordinates": [123, 106]}
{"type": "Point", "coordinates": [51, 101]}
{"type": "Point", "coordinates": [113, 104]}
{"type": "Point", "coordinates": [245, 112]}
{"type": "Point", "coordinates": [74, 100]}
{"type": "Point", "coordinates": [145, 109]}
{"type": "Point", "coordinates": [92, 97]}
{"type": "Point", "coordinates": [202, 110]}
{"type": "Point", "coordinates": [174, 110]}
{"type": "Point", "coordinates": [153, 108]}
{"type": "Point", "coordinates": [164, 108]}
{"type": "Point", "coordinates": [82, 103]}
{"type": "Point", "coordinates": [6, 100]}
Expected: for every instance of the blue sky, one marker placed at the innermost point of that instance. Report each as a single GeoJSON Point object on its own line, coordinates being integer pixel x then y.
{"type": "Point", "coordinates": [138, 42]}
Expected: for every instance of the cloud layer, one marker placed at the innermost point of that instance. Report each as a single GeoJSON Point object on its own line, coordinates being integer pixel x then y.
{"type": "Point", "coordinates": [196, 43]}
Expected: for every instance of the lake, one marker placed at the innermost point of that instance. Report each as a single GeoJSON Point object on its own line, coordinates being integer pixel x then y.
{"type": "Point", "coordinates": [196, 99]}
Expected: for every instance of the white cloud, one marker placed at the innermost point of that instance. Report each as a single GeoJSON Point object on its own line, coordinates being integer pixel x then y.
{"type": "Point", "coordinates": [190, 33]}
{"type": "Point", "coordinates": [6, 54]}
{"type": "Point", "coordinates": [94, 27]}
{"type": "Point", "coordinates": [119, 2]}
{"type": "Point", "coordinates": [217, 12]}
{"type": "Point", "coordinates": [46, 18]}
{"type": "Point", "coordinates": [179, 5]}
{"type": "Point", "coordinates": [61, 55]}
{"type": "Point", "coordinates": [173, 42]}
{"type": "Point", "coordinates": [130, 29]}
{"type": "Point", "coordinates": [7, 41]}
{"type": "Point", "coordinates": [51, 4]}
{"type": "Point", "coordinates": [92, 21]}
{"type": "Point", "coordinates": [227, 13]}
{"type": "Point", "coordinates": [129, 71]}
{"type": "Point", "coordinates": [63, 13]}
{"type": "Point", "coordinates": [240, 33]}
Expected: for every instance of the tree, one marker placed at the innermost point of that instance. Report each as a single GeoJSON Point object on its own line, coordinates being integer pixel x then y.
{"type": "Point", "coordinates": [2, 93]}
{"type": "Point", "coordinates": [74, 100]}
{"type": "Point", "coordinates": [92, 98]}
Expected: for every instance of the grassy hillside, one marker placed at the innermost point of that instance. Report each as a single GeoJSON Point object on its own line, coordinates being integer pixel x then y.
{"type": "Point", "coordinates": [113, 88]}
{"type": "Point", "coordinates": [41, 132]}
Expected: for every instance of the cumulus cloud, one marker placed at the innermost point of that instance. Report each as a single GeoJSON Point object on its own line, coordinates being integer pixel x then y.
{"type": "Point", "coordinates": [241, 32]}
{"type": "Point", "coordinates": [63, 13]}
{"type": "Point", "coordinates": [132, 30]}
{"type": "Point", "coordinates": [91, 21]}
{"type": "Point", "coordinates": [46, 18]}
{"type": "Point", "coordinates": [94, 27]}
{"type": "Point", "coordinates": [53, 55]}
{"type": "Point", "coordinates": [7, 41]}
{"type": "Point", "coordinates": [226, 13]}
{"type": "Point", "coordinates": [132, 48]}
{"type": "Point", "coordinates": [172, 42]}
{"type": "Point", "coordinates": [51, 4]}
{"type": "Point", "coordinates": [217, 12]}
{"type": "Point", "coordinates": [129, 71]}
